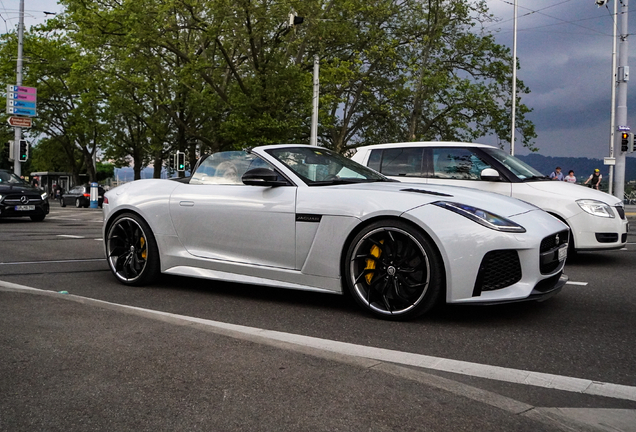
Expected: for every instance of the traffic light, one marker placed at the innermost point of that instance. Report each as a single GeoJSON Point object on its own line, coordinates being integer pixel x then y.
{"type": "Point", "coordinates": [23, 156]}
{"type": "Point", "coordinates": [180, 161]}
{"type": "Point", "coordinates": [7, 151]}
{"type": "Point", "coordinates": [171, 161]}
{"type": "Point", "coordinates": [627, 142]}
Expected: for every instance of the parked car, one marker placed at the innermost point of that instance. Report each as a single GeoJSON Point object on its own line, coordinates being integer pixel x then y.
{"type": "Point", "coordinates": [303, 217]}
{"type": "Point", "coordinates": [80, 196]}
{"type": "Point", "coordinates": [596, 219]}
{"type": "Point", "coordinates": [19, 198]}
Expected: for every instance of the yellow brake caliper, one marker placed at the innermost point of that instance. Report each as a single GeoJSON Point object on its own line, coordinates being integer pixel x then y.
{"type": "Point", "coordinates": [376, 252]}
{"type": "Point", "coordinates": [144, 252]}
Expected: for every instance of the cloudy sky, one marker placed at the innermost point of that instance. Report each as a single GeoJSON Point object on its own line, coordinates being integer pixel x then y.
{"type": "Point", "coordinates": [564, 49]}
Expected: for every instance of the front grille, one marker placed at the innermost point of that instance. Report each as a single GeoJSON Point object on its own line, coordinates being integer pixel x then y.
{"type": "Point", "coordinates": [16, 201]}
{"type": "Point", "coordinates": [606, 237]}
{"type": "Point", "coordinates": [554, 241]}
{"type": "Point", "coordinates": [549, 251]}
{"type": "Point", "coordinates": [621, 211]}
{"type": "Point", "coordinates": [498, 269]}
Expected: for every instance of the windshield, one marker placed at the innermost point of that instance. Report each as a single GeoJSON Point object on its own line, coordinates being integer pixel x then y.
{"type": "Point", "coordinates": [319, 166]}
{"type": "Point", "coordinates": [10, 178]}
{"type": "Point", "coordinates": [522, 170]}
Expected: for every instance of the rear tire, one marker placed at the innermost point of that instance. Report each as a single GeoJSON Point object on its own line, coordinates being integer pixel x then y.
{"type": "Point", "coordinates": [78, 203]}
{"type": "Point", "coordinates": [131, 250]}
{"type": "Point", "coordinates": [393, 270]}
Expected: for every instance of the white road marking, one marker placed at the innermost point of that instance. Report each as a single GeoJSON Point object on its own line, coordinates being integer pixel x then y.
{"type": "Point", "coordinates": [517, 376]}
{"type": "Point", "coordinates": [70, 236]}
{"type": "Point", "coordinates": [51, 262]}
{"type": "Point", "coordinates": [576, 283]}
{"type": "Point", "coordinates": [99, 239]}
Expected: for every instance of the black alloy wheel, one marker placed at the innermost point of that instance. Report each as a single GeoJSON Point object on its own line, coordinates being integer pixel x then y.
{"type": "Point", "coordinates": [393, 270]}
{"type": "Point", "coordinates": [131, 250]}
{"type": "Point", "coordinates": [78, 203]}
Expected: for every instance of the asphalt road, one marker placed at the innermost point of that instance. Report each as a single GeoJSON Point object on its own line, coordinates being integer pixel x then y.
{"type": "Point", "coordinates": [68, 363]}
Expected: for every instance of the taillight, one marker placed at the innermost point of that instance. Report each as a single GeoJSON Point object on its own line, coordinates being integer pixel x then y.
{"type": "Point", "coordinates": [105, 199]}
{"type": "Point", "coordinates": [87, 195]}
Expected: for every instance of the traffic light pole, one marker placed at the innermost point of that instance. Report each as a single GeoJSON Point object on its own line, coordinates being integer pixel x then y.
{"type": "Point", "coordinates": [17, 167]}
{"type": "Point", "coordinates": [621, 109]}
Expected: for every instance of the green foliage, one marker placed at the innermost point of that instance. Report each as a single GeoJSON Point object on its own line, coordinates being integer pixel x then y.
{"type": "Point", "coordinates": [135, 80]}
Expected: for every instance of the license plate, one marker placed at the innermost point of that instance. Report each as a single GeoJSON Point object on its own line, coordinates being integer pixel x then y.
{"type": "Point", "coordinates": [563, 252]}
{"type": "Point", "coordinates": [24, 208]}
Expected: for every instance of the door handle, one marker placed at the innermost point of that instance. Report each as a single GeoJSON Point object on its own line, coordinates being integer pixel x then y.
{"type": "Point", "coordinates": [186, 203]}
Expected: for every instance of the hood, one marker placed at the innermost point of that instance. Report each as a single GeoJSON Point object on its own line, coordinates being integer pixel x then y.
{"type": "Point", "coordinates": [405, 196]}
{"type": "Point", "coordinates": [574, 191]}
{"type": "Point", "coordinates": [6, 188]}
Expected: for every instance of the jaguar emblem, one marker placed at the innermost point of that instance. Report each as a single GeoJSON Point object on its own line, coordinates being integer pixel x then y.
{"type": "Point", "coordinates": [556, 239]}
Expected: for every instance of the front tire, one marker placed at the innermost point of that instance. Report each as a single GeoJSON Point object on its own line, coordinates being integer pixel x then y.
{"type": "Point", "coordinates": [131, 250]}
{"type": "Point", "coordinates": [393, 271]}
{"type": "Point", "coordinates": [78, 203]}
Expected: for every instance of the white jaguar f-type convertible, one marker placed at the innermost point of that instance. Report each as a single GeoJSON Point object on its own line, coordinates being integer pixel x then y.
{"type": "Point", "coordinates": [303, 217]}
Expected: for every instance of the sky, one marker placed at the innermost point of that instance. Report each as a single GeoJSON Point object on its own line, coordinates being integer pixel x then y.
{"type": "Point", "coordinates": [564, 50]}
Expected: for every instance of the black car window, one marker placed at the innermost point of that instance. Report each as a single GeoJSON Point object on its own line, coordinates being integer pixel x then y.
{"type": "Point", "coordinates": [374, 159]}
{"type": "Point", "coordinates": [402, 162]}
{"type": "Point", "coordinates": [457, 163]}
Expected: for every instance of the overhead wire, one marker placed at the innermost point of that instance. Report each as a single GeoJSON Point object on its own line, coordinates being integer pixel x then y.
{"type": "Point", "coordinates": [561, 21]}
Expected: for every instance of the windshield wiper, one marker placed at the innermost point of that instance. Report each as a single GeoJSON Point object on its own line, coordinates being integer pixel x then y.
{"type": "Point", "coordinates": [542, 177]}
{"type": "Point", "coordinates": [344, 181]}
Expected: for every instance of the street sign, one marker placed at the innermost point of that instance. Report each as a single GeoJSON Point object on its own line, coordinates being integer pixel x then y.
{"type": "Point", "coordinates": [24, 122]}
{"type": "Point", "coordinates": [622, 128]}
{"type": "Point", "coordinates": [22, 100]}
{"type": "Point", "coordinates": [609, 161]}
{"type": "Point", "coordinates": [21, 111]}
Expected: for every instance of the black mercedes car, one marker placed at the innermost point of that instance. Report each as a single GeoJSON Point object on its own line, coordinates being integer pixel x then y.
{"type": "Point", "coordinates": [19, 198]}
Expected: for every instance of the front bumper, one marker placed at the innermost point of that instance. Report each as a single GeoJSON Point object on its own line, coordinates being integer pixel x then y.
{"type": "Point", "coordinates": [541, 292]}
{"type": "Point", "coordinates": [9, 210]}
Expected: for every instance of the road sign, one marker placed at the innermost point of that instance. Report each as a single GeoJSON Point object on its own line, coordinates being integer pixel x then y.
{"type": "Point", "coordinates": [622, 128]}
{"type": "Point", "coordinates": [21, 111]}
{"type": "Point", "coordinates": [22, 100]}
{"type": "Point", "coordinates": [24, 122]}
{"type": "Point", "coordinates": [609, 161]}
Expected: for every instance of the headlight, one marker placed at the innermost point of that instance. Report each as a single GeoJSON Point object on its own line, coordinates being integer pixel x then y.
{"type": "Point", "coordinates": [596, 208]}
{"type": "Point", "coordinates": [482, 217]}
{"type": "Point", "coordinates": [45, 196]}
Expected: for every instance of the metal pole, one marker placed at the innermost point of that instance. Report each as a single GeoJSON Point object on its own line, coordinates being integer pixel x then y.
{"type": "Point", "coordinates": [621, 109]}
{"type": "Point", "coordinates": [313, 140]}
{"type": "Point", "coordinates": [514, 80]}
{"type": "Point", "coordinates": [613, 111]}
{"type": "Point", "coordinates": [17, 168]}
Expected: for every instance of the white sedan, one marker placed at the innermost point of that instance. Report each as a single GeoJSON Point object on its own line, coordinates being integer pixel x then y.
{"type": "Point", "coordinates": [303, 217]}
{"type": "Point", "coordinates": [597, 220]}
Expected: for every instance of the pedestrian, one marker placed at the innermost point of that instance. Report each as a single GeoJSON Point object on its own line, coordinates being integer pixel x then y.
{"type": "Point", "coordinates": [570, 178]}
{"type": "Point", "coordinates": [595, 179]}
{"type": "Point", "coordinates": [557, 174]}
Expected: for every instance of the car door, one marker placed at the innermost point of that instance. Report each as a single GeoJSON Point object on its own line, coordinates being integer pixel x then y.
{"type": "Point", "coordinates": [69, 197]}
{"type": "Point", "coordinates": [216, 216]}
{"type": "Point", "coordinates": [461, 166]}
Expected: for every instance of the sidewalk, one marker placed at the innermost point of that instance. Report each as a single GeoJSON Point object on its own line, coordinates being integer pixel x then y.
{"type": "Point", "coordinates": [73, 363]}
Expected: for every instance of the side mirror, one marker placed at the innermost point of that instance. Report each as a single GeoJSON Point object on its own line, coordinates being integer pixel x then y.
{"type": "Point", "coordinates": [262, 177]}
{"type": "Point", "coordinates": [490, 174]}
